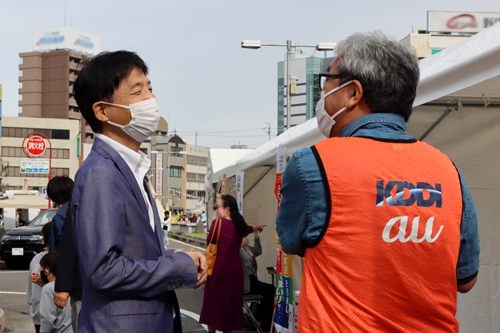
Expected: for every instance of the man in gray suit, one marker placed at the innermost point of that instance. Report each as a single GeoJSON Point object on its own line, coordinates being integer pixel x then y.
{"type": "Point", "coordinates": [128, 277]}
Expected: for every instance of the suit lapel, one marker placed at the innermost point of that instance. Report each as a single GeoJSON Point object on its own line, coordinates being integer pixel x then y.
{"type": "Point", "coordinates": [105, 150]}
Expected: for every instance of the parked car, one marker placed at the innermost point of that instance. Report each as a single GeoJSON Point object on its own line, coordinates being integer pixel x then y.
{"type": "Point", "coordinates": [21, 244]}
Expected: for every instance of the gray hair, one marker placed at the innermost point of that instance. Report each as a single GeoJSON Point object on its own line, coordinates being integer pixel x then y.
{"type": "Point", "coordinates": [387, 70]}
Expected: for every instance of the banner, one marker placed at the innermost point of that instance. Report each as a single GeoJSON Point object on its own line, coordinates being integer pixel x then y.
{"type": "Point", "coordinates": [283, 317]}
{"type": "Point", "coordinates": [159, 172]}
{"type": "Point", "coordinates": [239, 190]}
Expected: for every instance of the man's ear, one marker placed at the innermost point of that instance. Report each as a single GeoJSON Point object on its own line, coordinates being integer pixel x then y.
{"type": "Point", "coordinates": [356, 94]}
{"type": "Point", "coordinates": [100, 111]}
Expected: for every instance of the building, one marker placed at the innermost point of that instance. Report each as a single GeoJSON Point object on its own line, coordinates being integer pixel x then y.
{"type": "Point", "coordinates": [304, 70]}
{"type": "Point", "coordinates": [196, 170]}
{"type": "Point", "coordinates": [47, 74]}
{"type": "Point", "coordinates": [64, 137]}
{"type": "Point", "coordinates": [445, 29]}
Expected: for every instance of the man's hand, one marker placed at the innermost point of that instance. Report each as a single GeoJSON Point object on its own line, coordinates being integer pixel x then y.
{"type": "Point", "coordinates": [201, 265]}
{"type": "Point", "coordinates": [61, 299]}
{"type": "Point", "coordinates": [35, 278]}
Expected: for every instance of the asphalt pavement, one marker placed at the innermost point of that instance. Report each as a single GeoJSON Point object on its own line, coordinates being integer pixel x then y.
{"type": "Point", "coordinates": [13, 299]}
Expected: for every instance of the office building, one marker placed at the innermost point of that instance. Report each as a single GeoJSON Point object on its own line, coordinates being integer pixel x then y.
{"type": "Point", "coordinates": [304, 70]}
{"type": "Point", "coordinates": [47, 75]}
{"type": "Point", "coordinates": [65, 146]}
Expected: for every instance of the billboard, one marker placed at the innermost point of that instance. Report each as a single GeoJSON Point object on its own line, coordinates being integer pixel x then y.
{"type": "Point", "coordinates": [35, 165]}
{"type": "Point", "coordinates": [67, 39]}
{"type": "Point", "coordinates": [464, 22]}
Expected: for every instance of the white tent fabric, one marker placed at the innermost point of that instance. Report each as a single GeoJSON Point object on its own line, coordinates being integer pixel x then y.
{"type": "Point", "coordinates": [462, 65]}
{"type": "Point", "coordinates": [219, 159]}
{"type": "Point", "coordinates": [24, 200]}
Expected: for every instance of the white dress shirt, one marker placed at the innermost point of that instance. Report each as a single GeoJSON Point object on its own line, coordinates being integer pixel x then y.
{"type": "Point", "coordinates": [139, 163]}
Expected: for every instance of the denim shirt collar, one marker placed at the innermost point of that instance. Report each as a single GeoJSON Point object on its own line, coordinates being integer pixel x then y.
{"type": "Point", "coordinates": [378, 125]}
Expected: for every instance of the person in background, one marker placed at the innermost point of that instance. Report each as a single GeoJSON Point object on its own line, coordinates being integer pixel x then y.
{"type": "Point", "coordinates": [166, 227]}
{"type": "Point", "coordinates": [203, 217]}
{"type": "Point", "coordinates": [59, 190]}
{"type": "Point", "coordinates": [223, 299]}
{"type": "Point", "coordinates": [252, 285]}
{"type": "Point", "coordinates": [33, 289]}
{"type": "Point", "coordinates": [385, 222]}
{"type": "Point", "coordinates": [69, 278]}
{"type": "Point", "coordinates": [194, 219]}
{"type": "Point", "coordinates": [52, 319]}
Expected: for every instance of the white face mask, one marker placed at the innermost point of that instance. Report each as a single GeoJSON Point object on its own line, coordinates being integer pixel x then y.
{"type": "Point", "coordinates": [145, 117]}
{"type": "Point", "coordinates": [325, 122]}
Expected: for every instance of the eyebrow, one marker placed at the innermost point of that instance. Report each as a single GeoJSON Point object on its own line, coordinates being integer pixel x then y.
{"type": "Point", "coordinates": [135, 84]}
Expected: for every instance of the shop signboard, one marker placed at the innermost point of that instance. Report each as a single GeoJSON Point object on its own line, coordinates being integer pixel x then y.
{"type": "Point", "coordinates": [35, 165]}
{"type": "Point", "coordinates": [460, 22]}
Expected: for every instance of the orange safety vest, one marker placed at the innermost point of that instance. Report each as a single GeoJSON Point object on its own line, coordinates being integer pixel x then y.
{"type": "Point", "coordinates": [387, 259]}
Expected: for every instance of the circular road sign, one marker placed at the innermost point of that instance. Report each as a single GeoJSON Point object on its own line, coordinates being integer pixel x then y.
{"type": "Point", "coordinates": [35, 145]}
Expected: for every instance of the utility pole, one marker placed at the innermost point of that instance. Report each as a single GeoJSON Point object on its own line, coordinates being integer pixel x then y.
{"type": "Point", "coordinates": [268, 130]}
{"type": "Point", "coordinates": [195, 138]}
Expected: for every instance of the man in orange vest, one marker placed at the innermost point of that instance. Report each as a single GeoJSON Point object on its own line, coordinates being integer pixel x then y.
{"type": "Point", "coordinates": [385, 222]}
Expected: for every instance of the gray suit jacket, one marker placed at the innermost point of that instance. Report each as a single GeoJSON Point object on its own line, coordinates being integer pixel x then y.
{"type": "Point", "coordinates": [247, 259]}
{"type": "Point", "coordinates": [127, 275]}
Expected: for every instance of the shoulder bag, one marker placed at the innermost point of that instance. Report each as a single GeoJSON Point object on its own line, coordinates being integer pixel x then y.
{"type": "Point", "coordinates": [211, 252]}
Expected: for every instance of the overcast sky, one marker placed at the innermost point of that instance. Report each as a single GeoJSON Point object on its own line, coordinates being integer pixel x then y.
{"type": "Point", "coordinates": [203, 80]}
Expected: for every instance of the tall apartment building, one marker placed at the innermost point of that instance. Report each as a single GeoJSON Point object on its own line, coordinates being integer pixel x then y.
{"type": "Point", "coordinates": [305, 70]}
{"type": "Point", "coordinates": [196, 170]}
{"type": "Point", "coordinates": [47, 75]}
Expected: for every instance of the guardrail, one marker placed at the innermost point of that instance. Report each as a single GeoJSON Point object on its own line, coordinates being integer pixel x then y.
{"type": "Point", "coordinates": [198, 241]}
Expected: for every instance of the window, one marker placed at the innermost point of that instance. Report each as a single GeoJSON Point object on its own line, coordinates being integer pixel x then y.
{"type": "Point", "coordinates": [175, 172]}
{"type": "Point", "coordinates": [60, 134]}
{"type": "Point", "coordinates": [177, 191]}
{"type": "Point", "coordinates": [176, 150]}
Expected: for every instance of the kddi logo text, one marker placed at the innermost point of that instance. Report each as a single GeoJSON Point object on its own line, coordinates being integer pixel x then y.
{"type": "Point", "coordinates": [425, 195]}
{"type": "Point", "coordinates": [401, 233]}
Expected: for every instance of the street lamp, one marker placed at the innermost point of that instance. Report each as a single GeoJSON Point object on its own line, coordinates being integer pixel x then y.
{"type": "Point", "coordinates": [257, 44]}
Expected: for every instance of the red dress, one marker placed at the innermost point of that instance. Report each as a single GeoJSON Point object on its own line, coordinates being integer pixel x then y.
{"type": "Point", "coordinates": [223, 300]}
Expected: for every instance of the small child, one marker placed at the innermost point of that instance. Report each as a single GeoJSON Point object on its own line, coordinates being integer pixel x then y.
{"type": "Point", "coordinates": [33, 290]}
{"type": "Point", "coordinates": [52, 319]}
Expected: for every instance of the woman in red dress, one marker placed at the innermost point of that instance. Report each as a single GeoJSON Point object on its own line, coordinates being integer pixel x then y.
{"type": "Point", "coordinates": [223, 301]}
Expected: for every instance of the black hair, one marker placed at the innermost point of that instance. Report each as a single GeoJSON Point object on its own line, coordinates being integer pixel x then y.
{"type": "Point", "coordinates": [236, 217]}
{"type": "Point", "coordinates": [49, 261]}
{"type": "Point", "coordinates": [60, 189]}
{"type": "Point", "coordinates": [167, 212]}
{"type": "Point", "coordinates": [46, 232]}
{"type": "Point", "coordinates": [100, 77]}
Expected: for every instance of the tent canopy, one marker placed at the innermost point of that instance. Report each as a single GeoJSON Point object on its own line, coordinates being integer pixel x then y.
{"type": "Point", "coordinates": [24, 200]}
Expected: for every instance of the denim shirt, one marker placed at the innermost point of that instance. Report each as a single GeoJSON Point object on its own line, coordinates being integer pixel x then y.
{"type": "Point", "coordinates": [56, 230]}
{"type": "Point", "coordinates": [303, 208]}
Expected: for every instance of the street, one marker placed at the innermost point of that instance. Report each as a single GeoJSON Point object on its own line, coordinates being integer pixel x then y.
{"type": "Point", "coordinates": [13, 299]}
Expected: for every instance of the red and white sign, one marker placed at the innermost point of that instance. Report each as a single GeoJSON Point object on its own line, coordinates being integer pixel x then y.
{"type": "Point", "coordinates": [159, 172]}
{"type": "Point", "coordinates": [35, 146]}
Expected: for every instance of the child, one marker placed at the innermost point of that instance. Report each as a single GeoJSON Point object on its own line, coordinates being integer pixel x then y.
{"type": "Point", "coordinates": [33, 291]}
{"type": "Point", "coordinates": [52, 319]}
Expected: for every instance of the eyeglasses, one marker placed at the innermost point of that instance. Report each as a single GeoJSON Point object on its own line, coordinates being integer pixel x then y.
{"type": "Point", "coordinates": [322, 79]}
{"type": "Point", "coordinates": [215, 207]}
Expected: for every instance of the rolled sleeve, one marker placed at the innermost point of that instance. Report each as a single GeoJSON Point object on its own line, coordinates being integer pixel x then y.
{"type": "Point", "coordinates": [302, 213]}
{"type": "Point", "coordinates": [468, 259]}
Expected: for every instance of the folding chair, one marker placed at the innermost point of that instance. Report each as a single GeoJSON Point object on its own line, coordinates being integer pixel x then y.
{"type": "Point", "coordinates": [252, 298]}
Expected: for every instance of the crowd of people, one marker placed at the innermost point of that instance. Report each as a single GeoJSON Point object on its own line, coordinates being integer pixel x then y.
{"type": "Point", "coordinates": [365, 268]}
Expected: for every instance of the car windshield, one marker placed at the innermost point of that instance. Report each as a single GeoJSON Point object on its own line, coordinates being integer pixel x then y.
{"type": "Point", "coordinates": [43, 218]}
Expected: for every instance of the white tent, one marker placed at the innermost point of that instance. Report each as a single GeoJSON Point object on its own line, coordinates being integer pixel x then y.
{"type": "Point", "coordinates": [457, 111]}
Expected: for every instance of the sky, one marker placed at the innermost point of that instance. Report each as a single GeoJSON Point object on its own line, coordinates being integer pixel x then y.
{"type": "Point", "coordinates": [203, 80]}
